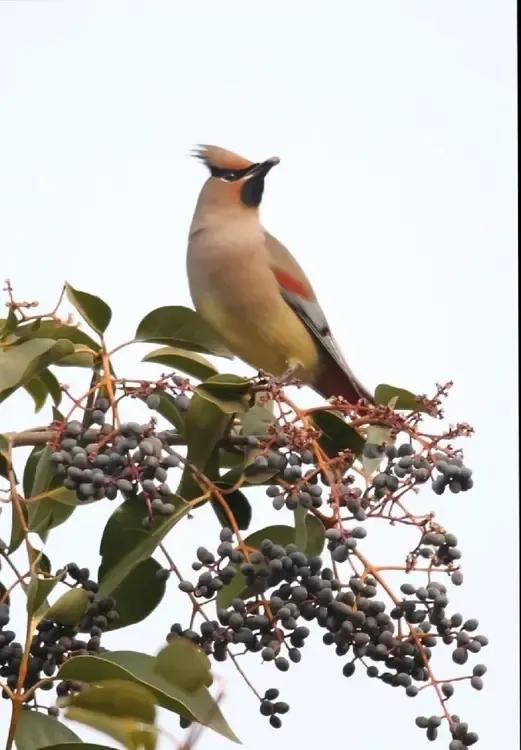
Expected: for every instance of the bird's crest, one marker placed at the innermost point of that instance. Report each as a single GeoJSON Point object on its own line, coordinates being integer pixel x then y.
{"type": "Point", "coordinates": [215, 156]}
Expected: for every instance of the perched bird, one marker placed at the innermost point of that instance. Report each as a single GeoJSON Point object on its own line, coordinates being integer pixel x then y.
{"type": "Point", "coordinates": [252, 291]}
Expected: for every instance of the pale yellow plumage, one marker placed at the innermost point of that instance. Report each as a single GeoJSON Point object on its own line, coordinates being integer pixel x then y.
{"type": "Point", "coordinates": [248, 286]}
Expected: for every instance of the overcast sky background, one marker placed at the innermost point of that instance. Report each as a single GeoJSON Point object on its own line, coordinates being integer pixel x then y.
{"type": "Point", "coordinates": [395, 125]}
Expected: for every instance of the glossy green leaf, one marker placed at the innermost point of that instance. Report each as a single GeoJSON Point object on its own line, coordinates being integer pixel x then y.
{"type": "Point", "coordinates": [125, 542]}
{"type": "Point", "coordinates": [248, 472]}
{"type": "Point", "coordinates": [168, 409]}
{"type": "Point", "coordinates": [52, 385]}
{"type": "Point", "coordinates": [43, 473]}
{"type": "Point", "coordinates": [228, 392]}
{"type": "Point", "coordinates": [301, 529]}
{"type": "Point", "coordinates": [181, 359]}
{"type": "Point", "coordinates": [92, 309]}
{"type": "Point", "coordinates": [69, 608]}
{"type": "Point", "coordinates": [238, 504]}
{"type": "Point", "coordinates": [256, 421]}
{"type": "Point", "coordinates": [38, 591]}
{"type": "Point", "coordinates": [30, 469]}
{"type": "Point", "coordinates": [39, 560]}
{"type": "Point", "coordinates": [404, 400]}
{"type": "Point", "coordinates": [118, 699]}
{"type": "Point", "coordinates": [132, 733]}
{"type": "Point", "coordinates": [55, 505]}
{"type": "Point", "coordinates": [184, 664]}
{"type": "Point", "coordinates": [80, 357]}
{"type": "Point", "coordinates": [180, 327]}
{"type": "Point", "coordinates": [44, 515]}
{"type": "Point", "coordinates": [52, 329]}
{"type": "Point", "coordinates": [36, 730]}
{"type": "Point", "coordinates": [8, 325]}
{"type": "Point", "coordinates": [23, 360]}
{"type": "Point", "coordinates": [337, 435]}
{"type": "Point", "coordinates": [111, 707]}
{"type": "Point", "coordinates": [3, 592]}
{"type": "Point", "coordinates": [37, 391]}
{"type": "Point", "coordinates": [59, 496]}
{"type": "Point", "coordinates": [132, 608]}
{"type": "Point", "coordinates": [130, 665]}
{"type": "Point", "coordinates": [17, 534]}
{"type": "Point", "coordinates": [205, 425]}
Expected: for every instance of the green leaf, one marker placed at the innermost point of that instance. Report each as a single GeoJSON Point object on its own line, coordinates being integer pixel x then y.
{"type": "Point", "coordinates": [257, 421]}
{"type": "Point", "coordinates": [8, 325]}
{"type": "Point", "coordinates": [184, 664]}
{"type": "Point", "coordinates": [92, 309]}
{"type": "Point", "coordinates": [125, 710]}
{"type": "Point", "coordinates": [52, 385]}
{"type": "Point", "coordinates": [248, 472]}
{"type": "Point", "coordinates": [405, 400]}
{"type": "Point", "coordinates": [125, 542]}
{"type": "Point", "coordinates": [38, 392]}
{"type": "Point", "coordinates": [238, 504]}
{"type": "Point", "coordinates": [77, 746]}
{"type": "Point", "coordinates": [69, 608]}
{"type": "Point", "coordinates": [56, 505]}
{"type": "Point", "coordinates": [17, 534]}
{"type": "Point", "coordinates": [284, 535]}
{"type": "Point", "coordinates": [301, 529]}
{"type": "Point", "coordinates": [46, 514]}
{"type": "Point", "coordinates": [39, 560]}
{"type": "Point", "coordinates": [30, 469]}
{"type": "Point", "coordinates": [36, 730]}
{"type": "Point", "coordinates": [43, 473]}
{"type": "Point", "coordinates": [180, 359]}
{"type": "Point", "coordinates": [23, 360]}
{"type": "Point", "coordinates": [59, 496]}
{"type": "Point", "coordinates": [337, 435]}
{"type": "Point", "coordinates": [168, 409]}
{"type": "Point", "coordinates": [79, 358]}
{"type": "Point", "coordinates": [130, 665]}
{"type": "Point", "coordinates": [3, 592]}
{"type": "Point", "coordinates": [132, 608]}
{"type": "Point", "coordinates": [118, 698]}
{"type": "Point", "coordinates": [39, 590]}
{"type": "Point", "coordinates": [180, 327]}
{"type": "Point", "coordinates": [228, 392]}
{"type": "Point", "coordinates": [205, 425]}
{"type": "Point", "coordinates": [133, 734]}
{"type": "Point", "coordinates": [52, 329]}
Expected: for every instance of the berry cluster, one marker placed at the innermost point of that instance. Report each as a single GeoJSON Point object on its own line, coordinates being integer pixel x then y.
{"type": "Point", "coordinates": [283, 588]}
{"type": "Point", "coordinates": [452, 474]}
{"type": "Point", "coordinates": [98, 461]}
{"type": "Point", "coordinates": [53, 642]}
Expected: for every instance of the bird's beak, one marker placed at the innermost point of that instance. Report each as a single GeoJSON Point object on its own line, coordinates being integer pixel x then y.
{"type": "Point", "coordinates": [264, 167]}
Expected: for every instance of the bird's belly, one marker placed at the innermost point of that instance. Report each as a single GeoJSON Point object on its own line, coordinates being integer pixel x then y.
{"type": "Point", "coordinates": [266, 338]}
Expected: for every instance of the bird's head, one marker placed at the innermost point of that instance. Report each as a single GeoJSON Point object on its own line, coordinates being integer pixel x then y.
{"type": "Point", "coordinates": [232, 177]}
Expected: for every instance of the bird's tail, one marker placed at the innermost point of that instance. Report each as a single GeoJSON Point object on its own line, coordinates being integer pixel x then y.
{"type": "Point", "coordinates": [333, 380]}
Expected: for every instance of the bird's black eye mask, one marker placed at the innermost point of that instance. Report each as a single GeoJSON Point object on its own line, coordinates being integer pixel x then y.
{"type": "Point", "coordinates": [231, 175]}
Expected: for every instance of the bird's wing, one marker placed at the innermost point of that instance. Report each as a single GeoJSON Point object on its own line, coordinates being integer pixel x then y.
{"type": "Point", "coordinates": [299, 295]}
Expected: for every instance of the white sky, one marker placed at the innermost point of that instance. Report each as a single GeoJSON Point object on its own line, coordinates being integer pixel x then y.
{"type": "Point", "coordinates": [395, 124]}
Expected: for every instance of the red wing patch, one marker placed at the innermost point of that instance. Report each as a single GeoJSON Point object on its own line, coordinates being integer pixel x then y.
{"type": "Point", "coordinates": [291, 284]}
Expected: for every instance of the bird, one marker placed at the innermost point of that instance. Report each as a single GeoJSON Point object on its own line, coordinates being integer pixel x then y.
{"type": "Point", "coordinates": [249, 288]}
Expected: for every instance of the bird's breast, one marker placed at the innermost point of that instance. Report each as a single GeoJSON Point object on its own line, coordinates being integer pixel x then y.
{"type": "Point", "coordinates": [234, 289]}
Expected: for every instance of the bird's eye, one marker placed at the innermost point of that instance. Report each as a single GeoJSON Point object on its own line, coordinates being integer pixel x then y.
{"type": "Point", "coordinates": [231, 175]}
